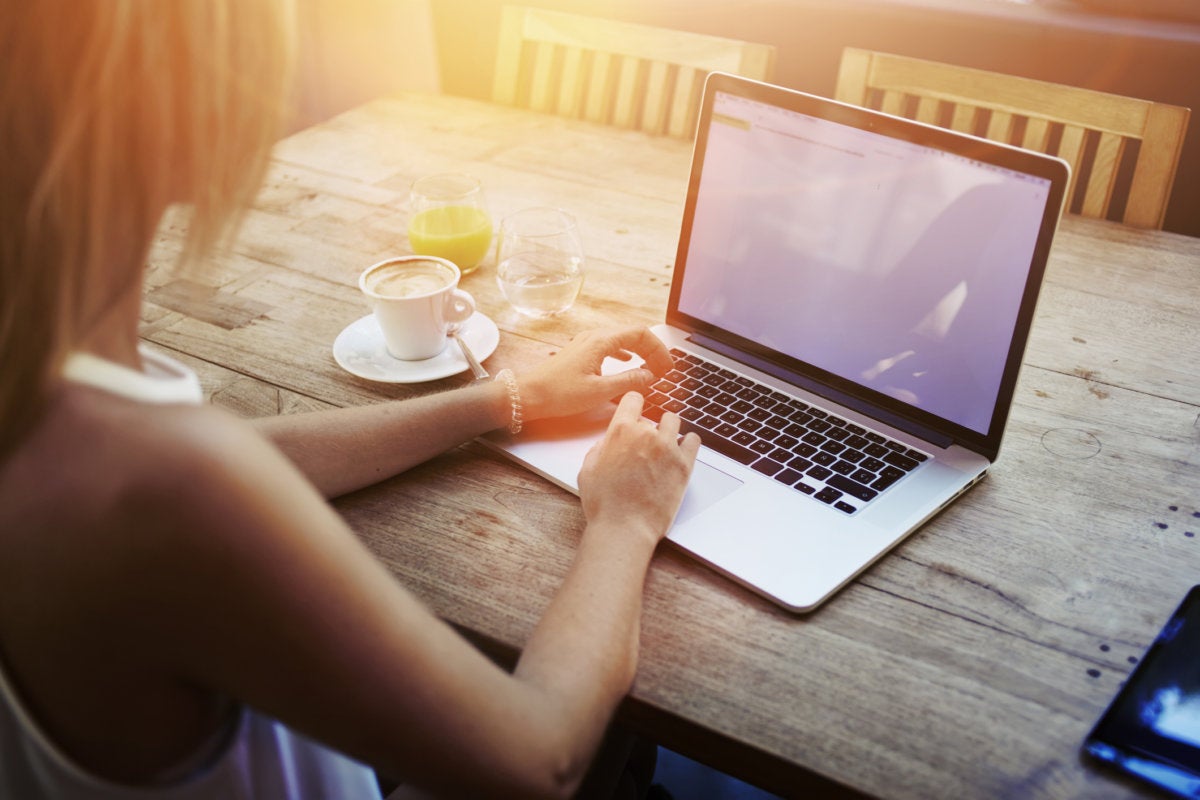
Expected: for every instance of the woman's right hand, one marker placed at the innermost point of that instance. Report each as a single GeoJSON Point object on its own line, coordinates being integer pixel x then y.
{"type": "Point", "coordinates": [571, 381]}
{"type": "Point", "coordinates": [636, 475]}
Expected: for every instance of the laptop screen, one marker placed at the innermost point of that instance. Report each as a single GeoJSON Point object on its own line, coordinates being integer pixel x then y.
{"type": "Point", "coordinates": [893, 264]}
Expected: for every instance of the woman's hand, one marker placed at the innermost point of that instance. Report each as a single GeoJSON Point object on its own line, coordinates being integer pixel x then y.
{"type": "Point", "coordinates": [570, 382]}
{"type": "Point", "coordinates": [636, 475]}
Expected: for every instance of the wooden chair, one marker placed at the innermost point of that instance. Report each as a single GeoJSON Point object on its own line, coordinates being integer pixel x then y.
{"type": "Point", "coordinates": [1118, 147]}
{"type": "Point", "coordinates": [618, 73]}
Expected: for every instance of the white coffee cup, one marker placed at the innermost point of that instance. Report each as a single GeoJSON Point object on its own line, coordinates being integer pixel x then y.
{"type": "Point", "coordinates": [417, 302]}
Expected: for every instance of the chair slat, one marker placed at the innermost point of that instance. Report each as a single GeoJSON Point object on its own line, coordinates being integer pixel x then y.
{"type": "Point", "coordinates": [1000, 127]}
{"type": "Point", "coordinates": [964, 117]}
{"type": "Point", "coordinates": [1103, 177]}
{"type": "Point", "coordinates": [1037, 135]}
{"type": "Point", "coordinates": [679, 121]}
{"type": "Point", "coordinates": [1070, 149]}
{"type": "Point", "coordinates": [654, 109]}
{"type": "Point", "coordinates": [1154, 173]}
{"type": "Point", "coordinates": [853, 84]}
{"type": "Point", "coordinates": [540, 86]}
{"type": "Point", "coordinates": [507, 79]}
{"type": "Point", "coordinates": [927, 110]}
{"type": "Point", "coordinates": [570, 83]}
{"type": "Point", "coordinates": [892, 103]}
{"type": "Point", "coordinates": [596, 107]}
{"type": "Point", "coordinates": [625, 105]}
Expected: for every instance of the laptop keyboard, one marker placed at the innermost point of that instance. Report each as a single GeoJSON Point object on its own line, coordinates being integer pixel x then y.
{"type": "Point", "coordinates": [807, 448]}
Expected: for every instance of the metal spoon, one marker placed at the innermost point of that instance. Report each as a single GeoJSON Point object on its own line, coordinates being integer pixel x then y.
{"type": "Point", "coordinates": [480, 373]}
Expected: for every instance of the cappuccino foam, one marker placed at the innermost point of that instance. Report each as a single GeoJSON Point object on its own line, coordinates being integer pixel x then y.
{"type": "Point", "coordinates": [409, 279]}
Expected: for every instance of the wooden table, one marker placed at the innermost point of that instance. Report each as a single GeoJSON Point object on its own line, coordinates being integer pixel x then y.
{"type": "Point", "coordinates": [968, 663]}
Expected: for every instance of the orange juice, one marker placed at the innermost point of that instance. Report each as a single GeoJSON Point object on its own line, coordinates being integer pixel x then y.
{"type": "Point", "coordinates": [460, 234]}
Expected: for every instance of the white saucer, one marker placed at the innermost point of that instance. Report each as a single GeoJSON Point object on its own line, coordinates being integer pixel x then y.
{"type": "Point", "coordinates": [361, 351]}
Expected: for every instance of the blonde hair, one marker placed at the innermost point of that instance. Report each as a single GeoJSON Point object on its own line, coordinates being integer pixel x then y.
{"type": "Point", "coordinates": [111, 110]}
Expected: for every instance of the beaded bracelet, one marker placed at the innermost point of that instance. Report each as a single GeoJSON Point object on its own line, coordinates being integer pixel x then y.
{"type": "Point", "coordinates": [514, 397]}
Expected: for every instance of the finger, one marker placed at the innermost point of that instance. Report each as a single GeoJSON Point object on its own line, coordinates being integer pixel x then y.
{"type": "Point", "coordinates": [589, 462]}
{"type": "Point", "coordinates": [646, 345]}
{"type": "Point", "coordinates": [629, 410]}
{"type": "Point", "coordinates": [668, 426]}
{"type": "Point", "coordinates": [689, 445]}
{"type": "Point", "coordinates": [631, 380]}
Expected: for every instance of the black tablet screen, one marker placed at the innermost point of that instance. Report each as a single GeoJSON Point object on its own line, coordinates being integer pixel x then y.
{"type": "Point", "coordinates": [1152, 727]}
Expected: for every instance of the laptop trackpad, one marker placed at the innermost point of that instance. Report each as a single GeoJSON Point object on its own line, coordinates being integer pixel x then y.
{"type": "Point", "coordinates": [707, 486]}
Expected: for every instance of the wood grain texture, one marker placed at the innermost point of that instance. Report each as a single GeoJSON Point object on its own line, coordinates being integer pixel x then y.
{"type": "Point", "coordinates": [969, 662]}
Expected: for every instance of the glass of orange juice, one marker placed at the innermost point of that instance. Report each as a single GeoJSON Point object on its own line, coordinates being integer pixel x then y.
{"type": "Point", "coordinates": [449, 219]}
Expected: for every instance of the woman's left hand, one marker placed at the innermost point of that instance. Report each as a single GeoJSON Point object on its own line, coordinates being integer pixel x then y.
{"type": "Point", "coordinates": [570, 381]}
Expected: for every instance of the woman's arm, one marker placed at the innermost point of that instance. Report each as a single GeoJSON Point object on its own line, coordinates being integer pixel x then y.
{"type": "Point", "coordinates": [265, 596]}
{"type": "Point", "coordinates": [631, 485]}
{"type": "Point", "coordinates": [344, 449]}
{"type": "Point", "coordinates": [341, 450]}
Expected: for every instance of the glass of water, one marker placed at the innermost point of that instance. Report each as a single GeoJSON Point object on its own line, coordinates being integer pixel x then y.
{"type": "Point", "coordinates": [539, 261]}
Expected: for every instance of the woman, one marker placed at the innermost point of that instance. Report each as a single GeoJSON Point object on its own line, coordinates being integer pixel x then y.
{"type": "Point", "coordinates": [181, 612]}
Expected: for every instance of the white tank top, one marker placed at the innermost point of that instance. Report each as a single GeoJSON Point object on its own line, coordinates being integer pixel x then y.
{"type": "Point", "coordinates": [256, 758]}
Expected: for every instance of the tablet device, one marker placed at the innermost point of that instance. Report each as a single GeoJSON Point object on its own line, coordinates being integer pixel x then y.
{"type": "Point", "coordinates": [1152, 728]}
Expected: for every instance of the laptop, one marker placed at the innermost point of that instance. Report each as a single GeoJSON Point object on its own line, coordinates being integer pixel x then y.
{"type": "Point", "coordinates": [849, 307]}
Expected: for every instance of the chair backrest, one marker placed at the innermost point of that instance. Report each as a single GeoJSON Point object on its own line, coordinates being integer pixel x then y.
{"type": "Point", "coordinates": [618, 73]}
{"type": "Point", "coordinates": [1118, 147]}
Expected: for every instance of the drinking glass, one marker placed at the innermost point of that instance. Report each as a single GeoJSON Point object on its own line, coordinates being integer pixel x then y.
{"type": "Point", "coordinates": [539, 261]}
{"type": "Point", "coordinates": [450, 219]}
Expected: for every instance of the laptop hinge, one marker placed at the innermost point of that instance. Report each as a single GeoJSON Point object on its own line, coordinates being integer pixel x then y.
{"type": "Point", "coordinates": [849, 401]}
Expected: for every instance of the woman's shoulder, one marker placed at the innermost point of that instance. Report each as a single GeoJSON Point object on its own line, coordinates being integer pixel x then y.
{"type": "Point", "coordinates": [127, 501]}
{"type": "Point", "coordinates": [152, 443]}
{"type": "Point", "coordinates": [95, 458]}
